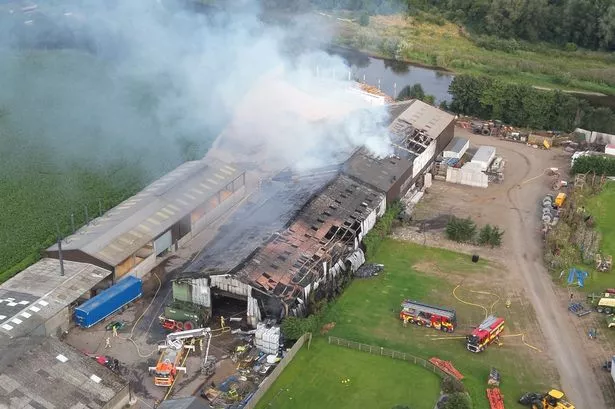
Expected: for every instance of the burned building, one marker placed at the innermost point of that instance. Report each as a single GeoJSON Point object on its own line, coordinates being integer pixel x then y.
{"type": "Point", "coordinates": [132, 237]}
{"type": "Point", "coordinates": [310, 258]}
{"type": "Point", "coordinates": [419, 133]}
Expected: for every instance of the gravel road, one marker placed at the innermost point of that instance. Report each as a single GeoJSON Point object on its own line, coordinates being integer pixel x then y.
{"type": "Point", "coordinates": [565, 347]}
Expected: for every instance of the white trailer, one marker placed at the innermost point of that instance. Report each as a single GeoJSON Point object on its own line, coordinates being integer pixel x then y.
{"type": "Point", "coordinates": [484, 156]}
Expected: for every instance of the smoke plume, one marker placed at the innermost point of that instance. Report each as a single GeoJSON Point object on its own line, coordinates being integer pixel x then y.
{"type": "Point", "coordinates": [95, 81]}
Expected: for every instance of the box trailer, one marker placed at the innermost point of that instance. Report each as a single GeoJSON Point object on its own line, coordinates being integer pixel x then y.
{"type": "Point", "coordinates": [108, 301]}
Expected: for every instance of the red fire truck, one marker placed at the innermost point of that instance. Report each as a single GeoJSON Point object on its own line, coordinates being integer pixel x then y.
{"type": "Point", "coordinates": [487, 332]}
{"type": "Point", "coordinates": [420, 314]}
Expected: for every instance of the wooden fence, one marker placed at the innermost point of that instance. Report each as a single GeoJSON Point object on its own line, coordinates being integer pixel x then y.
{"type": "Point", "coordinates": [266, 384]}
{"type": "Point", "coordinates": [375, 350]}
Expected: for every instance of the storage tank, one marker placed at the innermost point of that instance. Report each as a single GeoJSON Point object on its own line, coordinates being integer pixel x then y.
{"type": "Point", "coordinates": [108, 302]}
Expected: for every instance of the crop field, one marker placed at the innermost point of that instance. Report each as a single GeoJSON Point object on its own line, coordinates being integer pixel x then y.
{"type": "Point", "coordinates": [368, 312]}
{"type": "Point", "coordinates": [443, 44]}
{"type": "Point", "coordinates": [65, 147]}
{"type": "Point", "coordinates": [600, 207]}
{"type": "Point", "coordinates": [314, 380]}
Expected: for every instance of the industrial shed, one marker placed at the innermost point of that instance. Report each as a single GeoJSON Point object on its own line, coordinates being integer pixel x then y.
{"type": "Point", "coordinates": [131, 238]}
{"type": "Point", "coordinates": [38, 372]}
{"type": "Point", "coordinates": [456, 148]}
{"type": "Point", "coordinates": [39, 300]}
{"type": "Point", "coordinates": [419, 132]}
{"type": "Point", "coordinates": [320, 244]}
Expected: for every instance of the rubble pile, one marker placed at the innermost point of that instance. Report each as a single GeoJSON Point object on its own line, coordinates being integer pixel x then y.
{"type": "Point", "coordinates": [369, 270]}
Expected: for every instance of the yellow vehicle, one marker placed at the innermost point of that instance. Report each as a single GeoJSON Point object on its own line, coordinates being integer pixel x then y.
{"type": "Point", "coordinates": [606, 305]}
{"type": "Point", "coordinates": [559, 200]}
{"type": "Point", "coordinates": [554, 399]}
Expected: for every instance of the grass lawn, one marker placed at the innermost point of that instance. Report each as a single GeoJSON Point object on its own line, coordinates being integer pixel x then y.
{"type": "Point", "coordinates": [314, 380]}
{"type": "Point", "coordinates": [447, 47]}
{"type": "Point", "coordinates": [368, 312]}
{"type": "Point", "coordinates": [602, 207]}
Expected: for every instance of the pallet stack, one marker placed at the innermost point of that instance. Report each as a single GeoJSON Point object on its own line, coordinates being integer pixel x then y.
{"type": "Point", "coordinates": [496, 399]}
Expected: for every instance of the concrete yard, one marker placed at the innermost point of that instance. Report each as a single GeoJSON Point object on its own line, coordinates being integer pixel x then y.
{"type": "Point", "coordinates": [512, 205]}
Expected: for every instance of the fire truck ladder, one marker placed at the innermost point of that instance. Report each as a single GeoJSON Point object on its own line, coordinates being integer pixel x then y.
{"type": "Point", "coordinates": [486, 325]}
{"type": "Point", "coordinates": [428, 308]}
{"type": "Point", "coordinates": [175, 341]}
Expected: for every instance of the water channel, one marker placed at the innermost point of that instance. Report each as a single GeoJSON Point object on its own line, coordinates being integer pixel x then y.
{"type": "Point", "coordinates": [392, 76]}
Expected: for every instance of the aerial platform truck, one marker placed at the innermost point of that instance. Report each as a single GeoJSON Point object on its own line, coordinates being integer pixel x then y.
{"type": "Point", "coordinates": [430, 316]}
{"type": "Point", "coordinates": [174, 352]}
{"type": "Point", "coordinates": [487, 332]}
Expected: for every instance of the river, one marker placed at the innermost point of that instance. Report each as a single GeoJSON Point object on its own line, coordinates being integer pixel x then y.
{"type": "Point", "coordinates": [392, 76]}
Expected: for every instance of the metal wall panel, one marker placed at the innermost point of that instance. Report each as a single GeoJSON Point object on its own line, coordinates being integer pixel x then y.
{"type": "Point", "coordinates": [231, 285]}
{"type": "Point", "coordinates": [163, 242]}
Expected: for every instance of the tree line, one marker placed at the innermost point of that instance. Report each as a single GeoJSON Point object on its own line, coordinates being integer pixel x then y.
{"type": "Point", "coordinates": [525, 106]}
{"type": "Point", "coordinates": [570, 23]}
{"type": "Point", "coordinates": [584, 23]}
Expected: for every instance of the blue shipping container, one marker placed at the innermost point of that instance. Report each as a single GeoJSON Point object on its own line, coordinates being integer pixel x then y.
{"type": "Point", "coordinates": [108, 302]}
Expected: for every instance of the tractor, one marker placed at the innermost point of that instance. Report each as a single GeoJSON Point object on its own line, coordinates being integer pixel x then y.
{"type": "Point", "coordinates": [554, 399]}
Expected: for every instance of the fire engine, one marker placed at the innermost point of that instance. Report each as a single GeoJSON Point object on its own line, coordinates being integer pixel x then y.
{"type": "Point", "coordinates": [487, 332]}
{"type": "Point", "coordinates": [420, 314]}
{"type": "Point", "coordinates": [173, 352]}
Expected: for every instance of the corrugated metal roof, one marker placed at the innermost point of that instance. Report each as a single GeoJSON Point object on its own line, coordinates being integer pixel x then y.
{"type": "Point", "coordinates": [38, 372]}
{"type": "Point", "coordinates": [39, 292]}
{"type": "Point", "coordinates": [414, 125]}
{"type": "Point", "coordinates": [293, 258]}
{"type": "Point", "coordinates": [138, 220]}
{"type": "Point", "coordinates": [457, 144]}
{"type": "Point", "coordinates": [484, 154]}
{"type": "Point", "coordinates": [426, 117]}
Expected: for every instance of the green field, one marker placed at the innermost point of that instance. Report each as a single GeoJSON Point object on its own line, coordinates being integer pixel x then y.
{"type": "Point", "coordinates": [314, 380]}
{"type": "Point", "coordinates": [72, 135]}
{"type": "Point", "coordinates": [602, 208]}
{"type": "Point", "coordinates": [368, 312]}
{"type": "Point", "coordinates": [445, 45]}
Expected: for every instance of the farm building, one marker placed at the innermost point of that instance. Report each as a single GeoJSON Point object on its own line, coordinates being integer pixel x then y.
{"type": "Point", "coordinates": [132, 237]}
{"type": "Point", "coordinates": [484, 156]}
{"type": "Point", "coordinates": [419, 132]}
{"type": "Point", "coordinates": [456, 148]}
{"type": "Point", "coordinates": [42, 372]}
{"type": "Point", "coordinates": [39, 300]}
{"type": "Point", "coordinates": [312, 253]}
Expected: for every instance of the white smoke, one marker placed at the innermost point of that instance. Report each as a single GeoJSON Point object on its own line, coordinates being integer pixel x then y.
{"type": "Point", "coordinates": [163, 73]}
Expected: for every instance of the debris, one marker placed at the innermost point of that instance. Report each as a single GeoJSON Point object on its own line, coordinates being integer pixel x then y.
{"type": "Point", "coordinates": [496, 399]}
{"type": "Point", "coordinates": [446, 366]}
{"type": "Point", "coordinates": [494, 378]}
{"type": "Point", "coordinates": [603, 264]}
{"type": "Point", "coordinates": [578, 309]}
{"type": "Point", "coordinates": [369, 270]}
{"type": "Point", "coordinates": [327, 327]}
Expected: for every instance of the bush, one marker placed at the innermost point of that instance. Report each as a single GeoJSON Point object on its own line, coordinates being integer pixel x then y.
{"type": "Point", "coordinates": [293, 327]}
{"type": "Point", "coordinates": [600, 165]}
{"type": "Point", "coordinates": [383, 227]}
{"type": "Point", "coordinates": [490, 235]}
{"type": "Point", "coordinates": [460, 400]}
{"type": "Point", "coordinates": [570, 47]}
{"type": "Point", "coordinates": [364, 20]}
{"type": "Point", "coordinates": [461, 230]}
{"type": "Point", "coordinates": [451, 385]}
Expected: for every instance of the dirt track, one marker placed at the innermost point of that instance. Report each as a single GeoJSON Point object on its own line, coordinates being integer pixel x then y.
{"type": "Point", "coordinates": [513, 205]}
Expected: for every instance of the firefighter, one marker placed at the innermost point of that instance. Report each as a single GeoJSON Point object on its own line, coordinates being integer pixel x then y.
{"type": "Point", "coordinates": [406, 319]}
{"type": "Point", "coordinates": [508, 303]}
{"type": "Point", "coordinates": [222, 322]}
{"type": "Point", "coordinates": [107, 342]}
{"type": "Point", "coordinates": [114, 328]}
